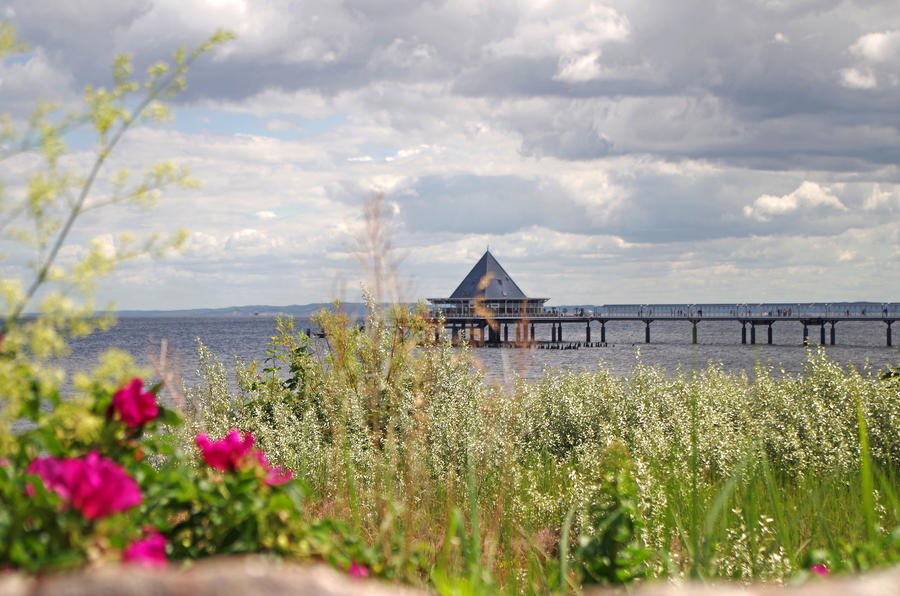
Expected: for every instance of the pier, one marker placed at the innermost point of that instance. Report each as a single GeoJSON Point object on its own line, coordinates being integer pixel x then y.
{"type": "Point", "coordinates": [753, 324]}
{"type": "Point", "coordinates": [488, 304]}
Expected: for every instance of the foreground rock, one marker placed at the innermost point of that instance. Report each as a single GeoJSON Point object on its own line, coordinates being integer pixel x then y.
{"type": "Point", "coordinates": [227, 576]}
{"type": "Point", "coordinates": [220, 576]}
{"type": "Point", "coordinates": [879, 583]}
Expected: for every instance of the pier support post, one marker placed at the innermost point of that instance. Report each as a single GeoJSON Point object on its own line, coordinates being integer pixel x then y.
{"type": "Point", "coordinates": [587, 333]}
{"type": "Point", "coordinates": [603, 332]}
{"type": "Point", "coordinates": [506, 332]}
{"type": "Point", "coordinates": [889, 344]}
{"type": "Point", "coordinates": [553, 332]}
{"type": "Point", "coordinates": [805, 334]}
{"type": "Point", "coordinates": [752, 333]}
{"type": "Point", "coordinates": [532, 332]}
{"type": "Point", "coordinates": [770, 334]}
{"type": "Point", "coordinates": [693, 332]}
{"type": "Point", "coordinates": [822, 335]}
{"type": "Point", "coordinates": [743, 332]}
{"type": "Point", "coordinates": [646, 332]}
{"type": "Point", "coordinates": [833, 323]}
{"type": "Point", "coordinates": [454, 334]}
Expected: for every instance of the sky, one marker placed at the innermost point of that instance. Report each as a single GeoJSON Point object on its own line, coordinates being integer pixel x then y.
{"type": "Point", "coordinates": [631, 151]}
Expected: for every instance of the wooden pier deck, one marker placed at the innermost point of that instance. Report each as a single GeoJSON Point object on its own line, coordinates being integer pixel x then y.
{"type": "Point", "coordinates": [495, 329]}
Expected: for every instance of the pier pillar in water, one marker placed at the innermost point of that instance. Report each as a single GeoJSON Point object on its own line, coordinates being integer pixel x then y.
{"type": "Point", "coordinates": [805, 334]}
{"type": "Point", "coordinates": [832, 331]}
{"type": "Point", "coordinates": [743, 332]}
{"type": "Point", "coordinates": [532, 332]}
{"type": "Point", "coordinates": [693, 332]}
{"type": "Point", "coordinates": [889, 333]}
{"type": "Point", "coordinates": [553, 332]}
{"type": "Point", "coordinates": [602, 332]}
{"type": "Point", "coordinates": [822, 335]}
{"type": "Point", "coordinates": [752, 333]}
{"type": "Point", "coordinates": [770, 334]}
{"type": "Point", "coordinates": [587, 333]}
{"type": "Point", "coordinates": [454, 333]}
{"type": "Point", "coordinates": [505, 331]}
{"type": "Point", "coordinates": [646, 332]}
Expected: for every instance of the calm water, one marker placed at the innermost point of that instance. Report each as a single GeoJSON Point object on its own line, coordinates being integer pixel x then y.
{"type": "Point", "coordinates": [246, 337]}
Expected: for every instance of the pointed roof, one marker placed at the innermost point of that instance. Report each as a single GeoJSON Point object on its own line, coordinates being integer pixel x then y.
{"type": "Point", "coordinates": [499, 287]}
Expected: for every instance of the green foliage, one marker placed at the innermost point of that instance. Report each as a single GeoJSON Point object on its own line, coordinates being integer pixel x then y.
{"type": "Point", "coordinates": [609, 551]}
{"type": "Point", "coordinates": [576, 478]}
{"type": "Point", "coordinates": [39, 220]}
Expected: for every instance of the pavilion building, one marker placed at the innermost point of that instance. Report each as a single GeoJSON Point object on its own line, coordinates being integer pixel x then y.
{"type": "Point", "coordinates": [489, 285]}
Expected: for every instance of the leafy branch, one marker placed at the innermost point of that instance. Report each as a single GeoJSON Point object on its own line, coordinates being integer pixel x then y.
{"type": "Point", "coordinates": [52, 191]}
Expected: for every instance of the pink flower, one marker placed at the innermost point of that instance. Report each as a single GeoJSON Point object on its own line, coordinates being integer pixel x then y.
{"type": "Point", "coordinates": [819, 570]}
{"type": "Point", "coordinates": [274, 475]}
{"type": "Point", "coordinates": [94, 485]}
{"type": "Point", "coordinates": [357, 571]}
{"type": "Point", "coordinates": [149, 551]}
{"type": "Point", "coordinates": [135, 406]}
{"type": "Point", "coordinates": [225, 454]}
{"type": "Point", "coordinates": [233, 453]}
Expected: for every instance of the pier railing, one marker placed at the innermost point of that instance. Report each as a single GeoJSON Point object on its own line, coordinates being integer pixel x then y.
{"type": "Point", "coordinates": [487, 324]}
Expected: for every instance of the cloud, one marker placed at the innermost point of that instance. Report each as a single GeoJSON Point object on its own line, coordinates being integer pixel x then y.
{"type": "Point", "coordinates": [807, 196]}
{"type": "Point", "coordinates": [585, 141]}
{"type": "Point", "coordinates": [881, 199]}
{"type": "Point", "coordinates": [854, 78]}
{"type": "Point", "coordinates": [878, 47]}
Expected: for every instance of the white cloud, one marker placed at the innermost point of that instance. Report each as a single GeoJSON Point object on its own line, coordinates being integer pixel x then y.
{"type": "Point", "coordinates": [202, 246]}
{"type": "Point", "coordinates": [854, 78]}
{"type": "Point", "coordinates": [578, 69]}
{"type": "Point", "coordinates": [879, 199]}
{"type": "Point", "coordinates": [808, 195]}
{"type": "Point", "coordinates": [877, 47]}
{"type": "Point", "coordinates": [250, 241]}
{"type": "Point", "coordinates": [265, 215]}
{"type": "Point", "coordinates": [572, 32]}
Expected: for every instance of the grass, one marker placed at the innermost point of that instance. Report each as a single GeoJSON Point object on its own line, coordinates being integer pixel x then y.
{"type": "Point", "coordinates": [575, 478]}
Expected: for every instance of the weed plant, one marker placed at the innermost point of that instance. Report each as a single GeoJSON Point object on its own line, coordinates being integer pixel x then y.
{"type": "Point", "coordinates": [578, 477]}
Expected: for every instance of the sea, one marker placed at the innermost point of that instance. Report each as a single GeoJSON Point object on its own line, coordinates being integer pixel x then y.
{"type": "Point", "coordinates": [174, 341]}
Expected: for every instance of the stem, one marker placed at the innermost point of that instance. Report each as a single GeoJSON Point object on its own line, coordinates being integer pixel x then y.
{"type": "Point", "coordinates": [77, 208]}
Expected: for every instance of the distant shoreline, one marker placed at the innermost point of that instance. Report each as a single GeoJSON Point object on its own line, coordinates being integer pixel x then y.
{"type": "Point", "coordinates": [359, 309]}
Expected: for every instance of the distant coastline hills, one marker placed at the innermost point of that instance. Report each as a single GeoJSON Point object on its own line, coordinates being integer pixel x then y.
{"type": "Point", "coordinates": [358, 309]}
{"type": "Point", "coordinates": [300, 311]}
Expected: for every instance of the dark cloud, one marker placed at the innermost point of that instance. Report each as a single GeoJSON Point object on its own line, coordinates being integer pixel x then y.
{"type": "Point", "coordinates": [473, 204]}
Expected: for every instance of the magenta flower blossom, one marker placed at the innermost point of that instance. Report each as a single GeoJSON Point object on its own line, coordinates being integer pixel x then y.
{"type": "Point", "coordinates": [274, 475]}
{"type": "Point", "coordinates": [233, 452]}
{"type": "Point", "coordinates": [819, 570]}
{"type": "Point", "coordinates": [94, 485]}
{"type": "Point", "coordinates": [135, 406]}
{"type": "Point", "coordinates": [149, 551]}
{"type": "Point", "coordinates": [228, 453]}
{"type": "Point", "coordinates": [357, 570]}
